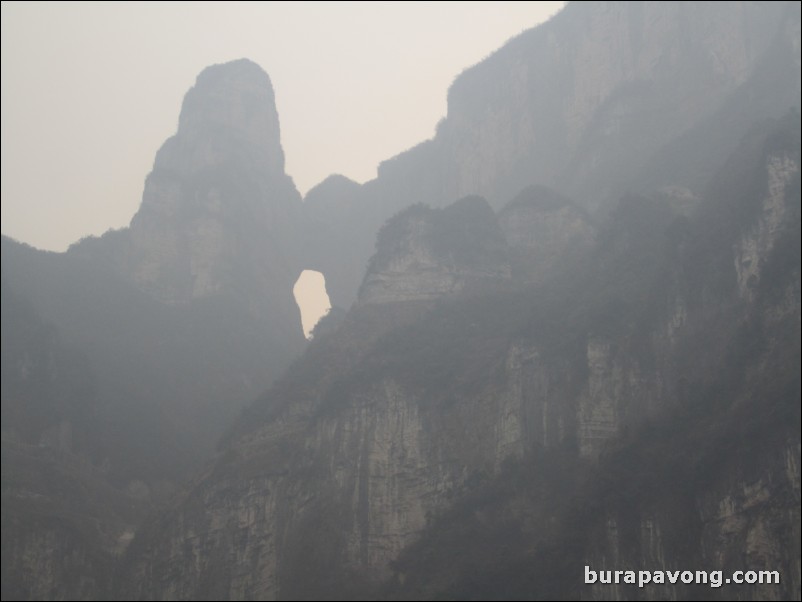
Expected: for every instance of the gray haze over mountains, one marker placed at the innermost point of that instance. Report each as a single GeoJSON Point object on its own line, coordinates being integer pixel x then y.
{"type": "Point", "coordinates": [565, 331]}
{"type": "Point", "coordinates": [83, 95]}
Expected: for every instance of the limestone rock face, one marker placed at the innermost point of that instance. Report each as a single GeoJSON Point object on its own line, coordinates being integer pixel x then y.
{"type": "Point", "coordinates": [545, 231]}
{"type": "Point", "coordinates": [510, 397]}
{"type": "Point", "coordinates": [572, 108]}
{"type": "Point", "coordinates": [218, 212]}
{"type": "Point", "coordinates": [235, 101]}
{"type": "Point", "coordinates": [183, 318]}
{"type": "Point", "coordinates": [755, 246]}
{"type": "Point", "coordinates": [574, 419]}
{"type": "Point", "coordinates": [217, 240]}
{"type": "Point", "coordinates": [338, 236]}
{"type": "Point", "coordinates": [742, 522]}
{"type": "Point", "coordinates": [605, 99]}
{"type": "Point", "coordinates": [424, 254]}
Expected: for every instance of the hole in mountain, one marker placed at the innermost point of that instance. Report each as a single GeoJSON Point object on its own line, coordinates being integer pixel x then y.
{"type": "Point", "coordinates": [312, 298]}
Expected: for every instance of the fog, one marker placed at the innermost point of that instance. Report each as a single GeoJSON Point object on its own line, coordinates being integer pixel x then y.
{"type": "Point", "coordinates": [91, 90]}
{"type": "Point", "coordinates": [561, 330]}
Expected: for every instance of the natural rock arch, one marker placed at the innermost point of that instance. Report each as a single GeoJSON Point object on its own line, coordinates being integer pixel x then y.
{"type": "Point", "coordinates": [312, 298]}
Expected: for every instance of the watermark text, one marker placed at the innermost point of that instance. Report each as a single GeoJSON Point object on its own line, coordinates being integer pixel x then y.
{"type": "Point", "coordinates": [711, 578]}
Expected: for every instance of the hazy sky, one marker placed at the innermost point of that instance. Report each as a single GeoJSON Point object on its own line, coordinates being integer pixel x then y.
{"type": "Point", "coordinates": [91, 90]}
{"type": "Point", "coordinates": [310, 292]}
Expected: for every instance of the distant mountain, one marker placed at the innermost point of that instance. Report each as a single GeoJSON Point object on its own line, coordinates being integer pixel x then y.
{"type": "Point", "coordinates": [604, 99]}
{"type": "Point", "coordinates": [180, 320]}
{"type": "Point", "coordinates": [219, 216]}
{"type": "Point", "coordinates": [570, 336]}
{"type": "Point", "coordinates": [188, 314]}
{"type": "Point", "coordinates": [638, 410]}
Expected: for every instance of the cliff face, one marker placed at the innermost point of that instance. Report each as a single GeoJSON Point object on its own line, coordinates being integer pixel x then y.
{"type": "Point", "coordinates": [604, 99]}
{"type": "Point", "coordinates": [211, 256]}
{"type": "Point", "coordinates": [218, 213]}
{"type": "Point", "coordinates": [683, 405]}
{"type": "Point", "coordinates": [433, 437]}
{"type": "Point", "coordinates": [611, 65]}
{"type": "Point", "coordinates": [426, 254]}
{"type": "Point", "coordinates": [745, 520]}
{"type": "Point", "coordinates": [180, 320]}
{"type": "Point", "coordinates": [63, 524]}
{"type": "Point", "coordinates": [511, 395]}
{"type": "Point", "coordinates": [544, 231]}
{"type": "Point", "coordinates": [325, 206]}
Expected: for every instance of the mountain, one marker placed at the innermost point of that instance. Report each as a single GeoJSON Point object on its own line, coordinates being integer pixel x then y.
{"type": "Point", "coordinates": [189, 311]}
{"type": "Point", "coordinates": [143, 345]}
{"type": "Point", "coordinates": [569, 337]}
{"type": "Point", "coordinates": [219, 215]}
{"type": "Point", "coordinates": [545, 231]}
{"type": "Point", "coordinates": [425, 253]}
{"type": "Point", "coordinates": [606, 98]}
{"type": "Point", "coordinates": [458, 439]}
{"type": "Point", "coordinates": [62, 521]}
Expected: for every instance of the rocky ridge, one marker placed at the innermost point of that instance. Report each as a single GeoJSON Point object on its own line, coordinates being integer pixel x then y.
{"type": "Point", "coordinates": [495, 372]}
{"type": "Point", "coordinates": [358, 463]}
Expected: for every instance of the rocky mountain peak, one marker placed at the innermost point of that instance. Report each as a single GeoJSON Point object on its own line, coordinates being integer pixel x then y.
{"type": "Point", "coordinates": [425, 253]}
{"type": "Point", "coordinates": [233, 101]}
{"type": "Point", "coordinates": [569, 104]}
{"type": "Point", "coordinates": [218, 196]}
{"type": "Point", "coordinates": [335, 192]}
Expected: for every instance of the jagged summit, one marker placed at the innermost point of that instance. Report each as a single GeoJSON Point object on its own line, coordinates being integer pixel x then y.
{"type": "Point", "coordinates": [218, 197]}
{"type": "Point", "coordinates": [605, 99]}
{"type": "Point", "coordinates": [219, 215]}
{"type": "Point", "coordinates": [228, 116]}
{"type": "Point", "coordinates": [572, 103]}
{"type": "Point", "coordinates": [335, 189]}
{"type": "Point", "coordinates": [512, 396]}
{"type": "Point", "coordinates": [232, 100]}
